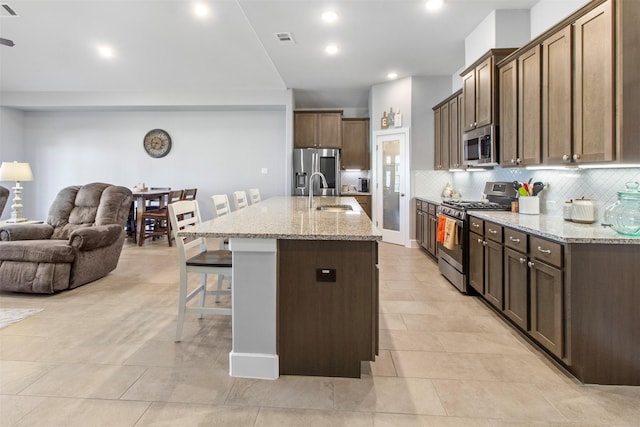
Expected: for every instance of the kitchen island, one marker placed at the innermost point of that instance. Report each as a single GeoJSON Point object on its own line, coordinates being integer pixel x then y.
{"type": "Point", "coordinates": [305, 287]}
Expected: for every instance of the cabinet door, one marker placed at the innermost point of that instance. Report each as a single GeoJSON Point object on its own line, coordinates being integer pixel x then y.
{"type": "Point", "coordinates": [516, 288]}
{"type": "Point", "coordinates": [330, 130]}
{"type": "Point", "coordinates": [432, 225]}
{"type": "Point", "coordinates": [556, 97]}
{"type": "Point", "coordinates": [508, 113]}
{"type": "Point", "coordinates": [355, 144]}
{"type": "Point", "coordinates": [547, 308]}
{"type": "Point", "coordinates": [455, 159]}
{"type": "Point", "coordinates": [305, 126]}
{"type": "Point", "coordinates": [476, 262]}
{"type": "Point", "coordinates": [593, 138]}
{"type": "Point", "coordinates": [444, 136]}
{"type": "Point", "coordinates": [469, 91]}
{"type": "Point", "coordinates": [493, 261]}
{"type": "Point", "coordinates": [437, 155]}
{"type": "Point", "coordinates": [426, 232]}
{"type": "Point", "coordinates": [484, 92]}
{"type": "Point", "coordinates": [529, 106]}
{"type": "Point", "coordinates": [419, 233]}
{"type": "Point", "coordinates": [365, 203]}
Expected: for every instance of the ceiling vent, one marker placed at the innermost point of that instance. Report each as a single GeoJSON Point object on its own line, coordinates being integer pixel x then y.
{"type": "Point", "coordinates": [285, 38]}
{"type": "Point", "coordinates": [7, 11]}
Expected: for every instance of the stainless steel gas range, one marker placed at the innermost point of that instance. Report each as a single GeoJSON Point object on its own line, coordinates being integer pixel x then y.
{"type": "Point", "coordinates": [454, 263]}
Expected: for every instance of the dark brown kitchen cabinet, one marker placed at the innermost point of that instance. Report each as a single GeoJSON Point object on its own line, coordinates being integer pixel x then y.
{"type": "Point", "coordinates": [547, 308]}
{"type": "Point", "coordinates": [480, 90]}
{"type": "Point", "coordinates": [355, 144]}
{"type": "Point", "coordinates": [516, 287]}
{"type": "Point", "coordinates": [426, 226]}
{"type": "Point", "coordinates": [593, 107]}
{"type": "Point", "coordinates": [476, 254]}
{"type": "Point", "coordinates": [328, 303]}
{"type": "Point", "coordinates": [556, 97]}
{"type": "Point", "coordinates": [447, 133]}
{"type": "Point", "coordinates": [317, 129]}
{"type": "Point", "coordinates": [364, 200]}
{"type": "Point", "coordinates": [485, 261]}
{"type": "Point", "coordinates": [520, 109]}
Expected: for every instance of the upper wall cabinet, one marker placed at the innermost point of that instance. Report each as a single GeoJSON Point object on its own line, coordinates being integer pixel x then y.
{"type": "Point", "coordinates": [317, 129]}
{"type": "Point", "coordinates": [355, 144]}
{"type": "Point", "coordinates": [480, 90]}
{"type": "Point", "coordinates": [590, 95]}
{"type": "Point", "coordinates": [447, 133]}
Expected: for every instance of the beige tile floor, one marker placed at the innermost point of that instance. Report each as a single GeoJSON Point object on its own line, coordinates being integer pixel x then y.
{"type": "Point", "coordinates": [103, 355]}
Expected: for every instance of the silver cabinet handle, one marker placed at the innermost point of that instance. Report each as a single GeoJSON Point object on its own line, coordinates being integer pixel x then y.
{"type": "Point", "coordinates": [565, 157]}
{"type": "Point", "coordinates": [522, 260]}
{"type": "Point", "coordinates": [474, 225]}
{"type": "Point", "coordinates": [530, 264]}
{"type": "Point", "coordinates": [493, 231]}
{"type": "Point", "coordinates": [576, 156]}
{"type": "Point", "coordinates": [480, 241]}
{"type": "Point", "coordinates": [513, 161]}
{"type": "Point", "coordinates": [544, 251]}
{"type": "Point", "coordinates": [484, 243]}
{"type": "Point", "coordinates": [514, 240]}
{"type": "Point", "coordinates": [518, 160]}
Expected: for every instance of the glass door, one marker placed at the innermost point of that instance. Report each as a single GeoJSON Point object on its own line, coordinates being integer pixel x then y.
{"type": "Point", "coordinates": [392, 182]}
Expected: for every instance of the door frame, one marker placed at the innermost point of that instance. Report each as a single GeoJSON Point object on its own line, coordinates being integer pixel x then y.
{"type": "Point", "coordinates": [401, 237]}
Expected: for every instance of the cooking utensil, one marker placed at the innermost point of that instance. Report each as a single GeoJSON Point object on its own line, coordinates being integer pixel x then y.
{"type": "Point", "coordinates": [537, 188]}
{"type": "Point", "coordinates": [526, 188]}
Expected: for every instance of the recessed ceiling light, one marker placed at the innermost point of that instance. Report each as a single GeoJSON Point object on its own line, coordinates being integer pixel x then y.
{"type": "Point", "coordinates": [105, 51]}
{"type": "Point", "coordinates": [331, 49]}
{"type": "Point", "coordinates": [329, 16]}
{"type": "Point", "coordinates": [201, 10]}
{"type": "Point", "coordinates": [434, 4]}
{"type": "Point", "coordinates": [392, 75]}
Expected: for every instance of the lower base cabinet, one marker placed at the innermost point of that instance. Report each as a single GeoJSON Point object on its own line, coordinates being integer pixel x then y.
{"type": "Point", "coordinates": [427, 227]}
{"type": "Point", "coordinates": [547, 306]}
{"type": "Point", "coordinates": [516, 288]}
{"type": "Point", "coordinates": [327, 306]}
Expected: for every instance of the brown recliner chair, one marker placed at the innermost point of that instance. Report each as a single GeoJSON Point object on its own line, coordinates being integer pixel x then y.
{"type": "Point", "coordinates": [4, 196]}
{"type": "Point", "coordinates": [80, 242]}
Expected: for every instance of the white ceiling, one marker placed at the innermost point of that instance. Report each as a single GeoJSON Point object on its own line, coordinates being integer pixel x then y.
{"type": "Point", "coordinates": [160, 46]}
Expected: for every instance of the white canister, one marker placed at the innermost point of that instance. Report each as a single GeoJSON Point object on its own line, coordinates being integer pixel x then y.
{"type": "Point", "coordinates": [529, 205]}
{"type": "Point", "coordinates": [583, 211]}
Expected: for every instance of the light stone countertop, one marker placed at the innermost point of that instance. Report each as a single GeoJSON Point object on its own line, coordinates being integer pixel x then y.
{"type": "Point", "coordinates": [555, 228]}
{"type": "Point", "coordinates": [290, 218]}
{"type": "Point", "coordinates": [355, 193]}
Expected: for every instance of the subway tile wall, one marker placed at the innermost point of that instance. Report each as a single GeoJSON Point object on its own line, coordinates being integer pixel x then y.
{"type": "Point", "coordinates": [600, 185]}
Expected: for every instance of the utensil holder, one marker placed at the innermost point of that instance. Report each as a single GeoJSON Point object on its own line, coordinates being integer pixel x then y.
{"type": "Point", "coordinates": [529, 205]}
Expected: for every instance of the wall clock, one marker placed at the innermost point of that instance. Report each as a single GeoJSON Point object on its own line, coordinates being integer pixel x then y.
{"type": "Point", "coordinates": [157, 143]}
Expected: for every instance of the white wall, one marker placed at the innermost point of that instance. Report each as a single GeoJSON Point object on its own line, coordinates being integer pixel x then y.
{"type": "Point", "coordinates": [501, 28]}
{"type": "Point", "coordinates": [215, 151]}
{"type": "Point", "coordinates": [547, 13]}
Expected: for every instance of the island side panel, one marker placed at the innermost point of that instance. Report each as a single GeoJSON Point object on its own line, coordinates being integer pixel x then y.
{"type": "Point", "coordinates": [326, 327]}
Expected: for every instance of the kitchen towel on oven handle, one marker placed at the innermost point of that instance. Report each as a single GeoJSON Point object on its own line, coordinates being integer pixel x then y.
{"type": "Point", "coordinates": [442, 220]}
{"type": "Point", "coordinates": [450, 233]}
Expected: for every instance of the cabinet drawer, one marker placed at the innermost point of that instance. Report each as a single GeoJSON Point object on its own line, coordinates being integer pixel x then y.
{"type": "Point", "coordinates": [418, 204]}
{"type": "Point", "coordinates": [544, 250]}
{"type": "Point", "coordinates": [493, 231]}
{"type": "Point", "coordinates": [431, 208]}
{"type": "Point", "coordinates": [476, 225]}
{"type": "Point", "coordinates": [515, 240]}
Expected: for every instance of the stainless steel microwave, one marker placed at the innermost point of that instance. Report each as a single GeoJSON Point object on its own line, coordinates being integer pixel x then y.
{"type": "Point", "coordinates": [479, 147]}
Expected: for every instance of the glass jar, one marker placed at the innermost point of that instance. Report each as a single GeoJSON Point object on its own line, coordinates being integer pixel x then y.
{"type": "Point", "coordinates": [624, 214]}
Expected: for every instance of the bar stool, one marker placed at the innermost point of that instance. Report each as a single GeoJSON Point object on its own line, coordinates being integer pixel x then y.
{"type": "Point", "coordinates": [240, 200]}
{"type": "Point", "coordinates": [254, 196]}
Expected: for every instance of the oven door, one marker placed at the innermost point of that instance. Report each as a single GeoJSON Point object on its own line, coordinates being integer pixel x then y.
{"type": "Point", "coordinates": [451, 261]}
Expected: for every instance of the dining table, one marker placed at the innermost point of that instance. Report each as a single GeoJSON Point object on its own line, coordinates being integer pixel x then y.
{"type": "Point", "coordinates": [140, 199]}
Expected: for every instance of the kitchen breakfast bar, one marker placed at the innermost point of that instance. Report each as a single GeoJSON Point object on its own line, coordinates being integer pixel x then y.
{"type": "Point", "coordinates": [305, 286]}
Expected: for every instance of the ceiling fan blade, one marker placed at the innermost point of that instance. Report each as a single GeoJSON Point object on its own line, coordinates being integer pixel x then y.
{"type": "Point", "coordinates": [7, 42]}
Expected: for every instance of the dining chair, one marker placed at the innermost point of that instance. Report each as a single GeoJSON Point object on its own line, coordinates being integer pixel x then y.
{"type": "Point", "coordinates": [254, 196]}
{"type": "Point", "coordinates": [156, 221]}
{"type": "Point", "coordinates": [194, 257]}
{"type": "Point", "coordinates": [189, 193]}
{"type": "Point", "coordinates": [240, 200]}
{"type": "Point", "coordinates": [154, 203]}
{"type": "Point", "coordinates": [220, 204]}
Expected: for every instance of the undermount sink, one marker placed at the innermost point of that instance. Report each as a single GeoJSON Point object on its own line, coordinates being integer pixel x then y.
{"type": "Point", "coordinates": [334, 208]}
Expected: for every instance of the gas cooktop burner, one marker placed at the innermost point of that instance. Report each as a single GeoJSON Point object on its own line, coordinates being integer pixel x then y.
{"type": "Point", "coordinates": [475, 205]}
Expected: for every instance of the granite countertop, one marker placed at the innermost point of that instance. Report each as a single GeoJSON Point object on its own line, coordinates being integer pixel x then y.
{"type": "Point", "coordinates": [432, 200]}
{"type": "Point", "coordinates": [557, 229]}
{"type": "Point", "coordinates": [290, 218]}
{"type": "Point", "coordinates": [355, 193]}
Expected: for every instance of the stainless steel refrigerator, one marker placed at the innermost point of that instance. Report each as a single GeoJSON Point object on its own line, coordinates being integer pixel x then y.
{"type": "Point", "coordinates": [309, 160]}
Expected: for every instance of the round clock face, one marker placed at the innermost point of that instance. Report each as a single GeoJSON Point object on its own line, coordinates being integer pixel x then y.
{"type": "Point", "coordinates": [157, 143]}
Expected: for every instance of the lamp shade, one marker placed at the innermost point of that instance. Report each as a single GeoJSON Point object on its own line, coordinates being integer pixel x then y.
{"type": "Point", "coordinates": [14, 171]}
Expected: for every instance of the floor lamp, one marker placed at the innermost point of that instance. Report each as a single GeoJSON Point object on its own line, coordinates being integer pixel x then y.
{"type": "Point", "coordinates": [18, 172]}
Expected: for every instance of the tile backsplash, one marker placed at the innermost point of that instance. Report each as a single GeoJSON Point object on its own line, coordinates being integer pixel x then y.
{"type": "Point", "coordinates": [600, 185]}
